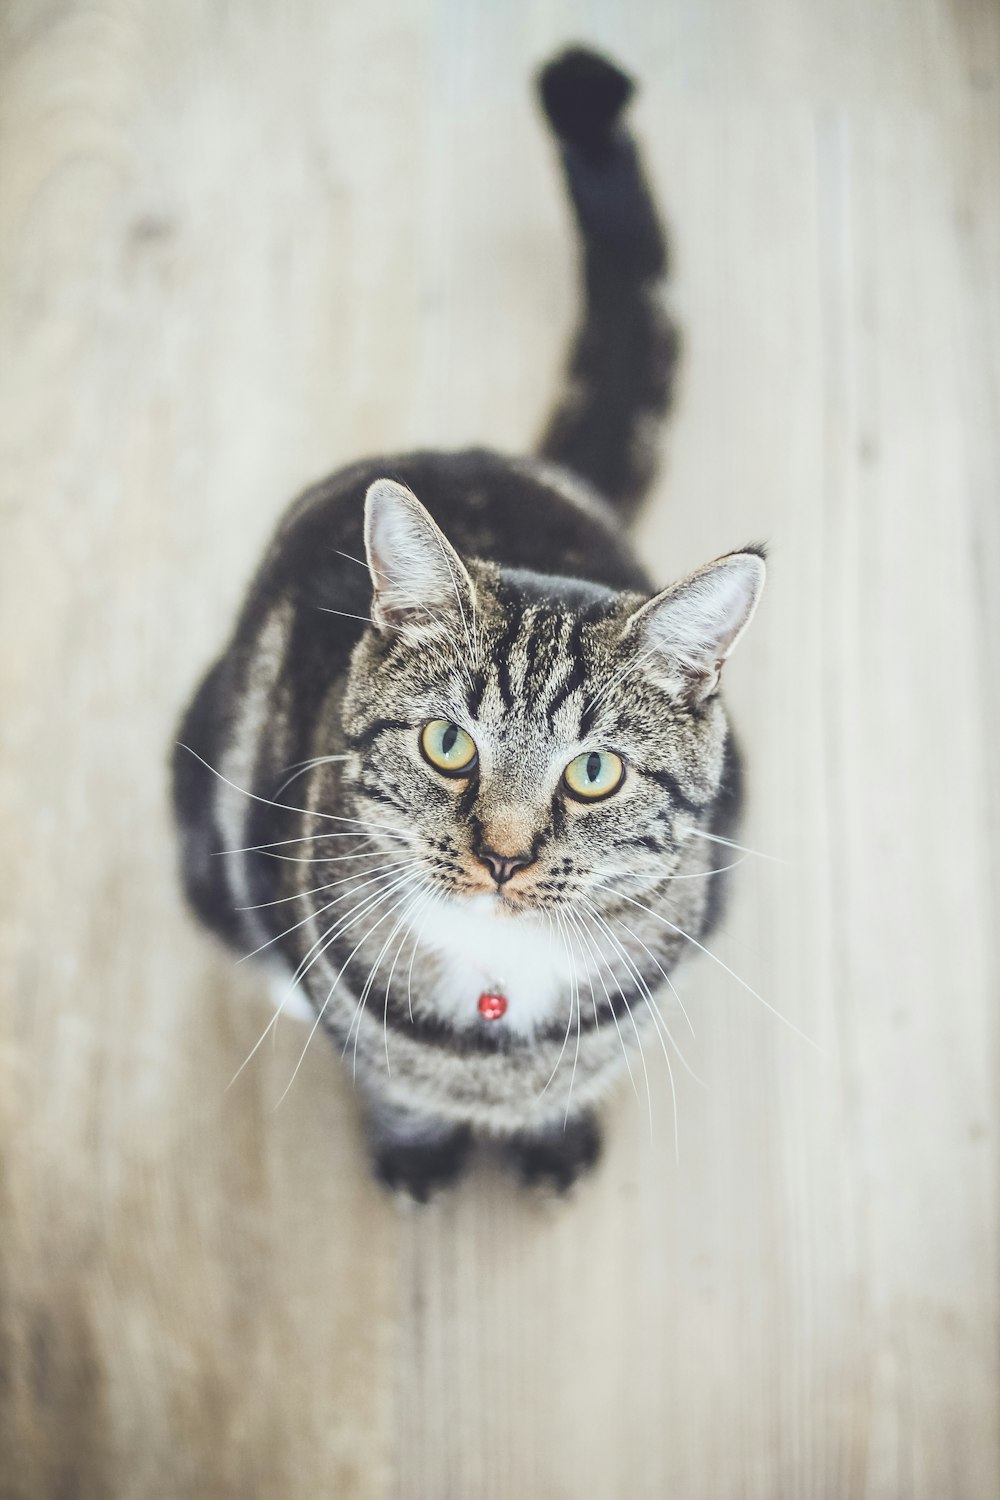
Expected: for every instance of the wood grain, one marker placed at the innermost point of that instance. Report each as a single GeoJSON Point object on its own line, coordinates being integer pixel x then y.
{"type": "Point", "coordinates": [240, 245]}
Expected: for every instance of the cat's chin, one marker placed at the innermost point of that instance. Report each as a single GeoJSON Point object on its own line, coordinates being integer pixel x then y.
{"type": "Point", "coordinates": [495, 904]}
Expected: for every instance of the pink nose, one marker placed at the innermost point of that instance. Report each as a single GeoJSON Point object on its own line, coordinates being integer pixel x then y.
{"type": "Point", "coordinates": [502, 866]}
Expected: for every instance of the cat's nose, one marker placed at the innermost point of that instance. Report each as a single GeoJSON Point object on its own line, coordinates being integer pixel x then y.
{"type": "Point", "coordinates": [503, 866]}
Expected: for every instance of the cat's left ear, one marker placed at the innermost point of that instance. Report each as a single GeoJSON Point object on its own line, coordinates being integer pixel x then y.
{"type": "Point", "coordinates": [420, 583]}
{"type": "Point", "coordinates": [686, 632]}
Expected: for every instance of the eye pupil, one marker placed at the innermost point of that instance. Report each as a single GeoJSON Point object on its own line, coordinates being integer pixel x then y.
{"type": "Point", "coordinates": [594, 774]}
{"type": "Point", "coordinates": [448, 747]}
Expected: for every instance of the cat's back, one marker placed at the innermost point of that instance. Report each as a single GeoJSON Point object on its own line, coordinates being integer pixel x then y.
{"type": "Point", "coordinates": [522, 514]}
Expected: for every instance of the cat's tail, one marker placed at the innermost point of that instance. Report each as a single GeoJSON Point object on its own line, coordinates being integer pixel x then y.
{"type": "Point", "coordinates": [621, 367]}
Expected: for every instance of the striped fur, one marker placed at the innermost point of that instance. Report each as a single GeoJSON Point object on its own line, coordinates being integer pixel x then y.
{"type": "Point", "coordinates": [504, 598]}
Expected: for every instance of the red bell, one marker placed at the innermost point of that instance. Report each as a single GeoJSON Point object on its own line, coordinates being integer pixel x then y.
{"type": "Point", "coordinates": [492, 1006]}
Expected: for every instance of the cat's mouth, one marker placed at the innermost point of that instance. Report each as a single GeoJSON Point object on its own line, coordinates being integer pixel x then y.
{"type": "Point", "coordinates": [498, 900]}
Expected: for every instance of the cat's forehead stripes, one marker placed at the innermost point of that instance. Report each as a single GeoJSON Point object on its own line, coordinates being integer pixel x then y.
{"type": "Point", "coordinates": [535, 662]}
{"type": "Point", "coordinates": [534, 655]}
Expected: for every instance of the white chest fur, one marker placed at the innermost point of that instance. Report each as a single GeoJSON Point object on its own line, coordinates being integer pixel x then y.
{"type": "Point", "coordinates": [481, 949]}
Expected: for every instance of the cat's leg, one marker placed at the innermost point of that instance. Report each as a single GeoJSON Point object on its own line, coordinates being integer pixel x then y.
{"type": "Point", "coordinates": [415, 1152]}
{"type": "Point", "coordinates": [556, 1157]}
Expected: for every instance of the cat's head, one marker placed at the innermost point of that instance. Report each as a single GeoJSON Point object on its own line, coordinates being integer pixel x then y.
{"type": "Point", "coordinates": [530, 738]}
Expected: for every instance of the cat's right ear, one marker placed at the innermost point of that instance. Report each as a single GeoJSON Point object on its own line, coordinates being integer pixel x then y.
{"type": "Point", "coordinates": [420, 583]}
{"type": "Point", "coordinates": [689, 630]}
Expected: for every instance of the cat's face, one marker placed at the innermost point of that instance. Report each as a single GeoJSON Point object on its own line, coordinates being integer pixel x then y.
{"type": "Point", "coordinates": [528, 747]}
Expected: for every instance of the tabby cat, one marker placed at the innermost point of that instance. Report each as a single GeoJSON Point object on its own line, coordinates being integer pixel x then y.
{"type": "Point", "coordinates": [472, 775]}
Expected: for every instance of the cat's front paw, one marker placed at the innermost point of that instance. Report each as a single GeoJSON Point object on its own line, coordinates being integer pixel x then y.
{"type": "Point", "coordinates": [421, 1168]}
{"type": "Point", "coordinates": [556, 1158]}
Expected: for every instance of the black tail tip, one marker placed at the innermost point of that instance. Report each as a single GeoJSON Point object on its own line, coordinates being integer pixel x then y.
{"type": "Point", "coordinates": [583, 94]}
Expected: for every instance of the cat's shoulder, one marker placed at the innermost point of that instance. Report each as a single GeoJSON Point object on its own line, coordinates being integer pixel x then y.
{"type": "Point", "coordinates": [517, 512]}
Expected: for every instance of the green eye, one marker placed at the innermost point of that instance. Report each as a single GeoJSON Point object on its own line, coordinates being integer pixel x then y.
{"type": "Point", "coordinates": [594, 774]}
{"type": "Point", "coordinates": [447, 748]}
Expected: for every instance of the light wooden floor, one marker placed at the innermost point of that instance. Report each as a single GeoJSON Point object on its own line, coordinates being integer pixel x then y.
{"type": "Point", "coordinates": [242, 244]}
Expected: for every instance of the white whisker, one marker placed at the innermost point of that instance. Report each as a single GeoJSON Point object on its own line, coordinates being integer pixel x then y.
{"type": "Point", "coordinates": [673, 989]}
{"type": "Point", "coordinates": [562, 1049]}
{"type": "Point", "coordinates": [329, 859]}
{"type": "Point", "coordinates": [368, 903]}
{"type": "Point", "coordinates": [435, 896]}
{"type": "Point", "coordinates": [330, 935]}
{"type": "Point", "coordinates": [602, 962]}
{"type": "Point", "coordinates": [590, 979]}
{"type": "Point", "coordinates": [659, 879]}
{"type": "Point", "coordinates": [316, 890]}
{"type": "Point", "coordinates": [306, 812]}
{"type": "Point", "coordinates": [333, 986]}
{"type": "Point", "coordinates": [306, 838]}
{"type": "Point", "coordinates": [308, 765]}
{"type": "Point", "coordinates": [716, 959]}
{"type": "Point", "coordinates": [317, 912]}
{"type": "Point", "coordinates": [574, 986]}
{"type": "Point", "coordinates": [640, 980]}
{"type": "Point", "coordinates": [642, 1058]}
{"type": "Point", "coordinates": [425, 897]}
{"type": "Point", "coordinates": [660, 1026]}
{"type": "Point", "coordinates": [325, 609]}
{"type": "Point", "coordinates": [715, 838]}
{"type": "Point", "coordinates": [366, 990]}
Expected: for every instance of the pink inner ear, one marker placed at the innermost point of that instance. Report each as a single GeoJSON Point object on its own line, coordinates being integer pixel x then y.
{"type": "Point", "coordinates": [416, 573]}
{"type": "Point", "coordinates": [697, 622]}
